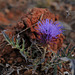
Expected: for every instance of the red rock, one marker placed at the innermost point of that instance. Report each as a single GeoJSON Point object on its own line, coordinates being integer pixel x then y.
{"type": "Point", "coordinates": [3, 19]}
{"type": "Point", "coordinates": [28, 23]}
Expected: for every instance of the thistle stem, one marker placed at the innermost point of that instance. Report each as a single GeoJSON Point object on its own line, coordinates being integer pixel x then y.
{"type": "Point", "coordinates": [44, 53]}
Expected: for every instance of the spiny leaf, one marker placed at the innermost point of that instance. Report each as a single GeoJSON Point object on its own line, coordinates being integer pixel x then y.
{"type": "Point", "coordinates": [17, 43]}
{"type": "Point", "coordinates": [24, 55]}
{"type": "Point", "coordinates": [58, 53]}
{"type": "Point", "coordinates": [66, 48]}
{"type": "Point", "coordinates": [13, 43]}
{"type": "Point", "coordinates": [60, 65]}
{"type": "Point", "coordinates": [23, 46]}
{"type": "Point", "coordinates": [69, 53]}
{"type": "Point", "coordinates": [6, 37]}
{"type": "Point", "coordinates": [63, 53]}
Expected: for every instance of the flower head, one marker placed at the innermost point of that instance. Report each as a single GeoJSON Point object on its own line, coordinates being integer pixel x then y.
{"type": "Point", "coordinates": [49, 29]}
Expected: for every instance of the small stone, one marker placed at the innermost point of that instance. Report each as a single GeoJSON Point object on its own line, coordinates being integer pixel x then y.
{"type": "Point", "coordinates": [13, 54]}
{"type": "Point", "coordinates": [10, 61]}
{"type": "Point", "coordinates": [19, 59]}
{"type": "Point", "coordinates": [66, 73]}
{"type": "Point", "coordinates": [72, 35]}
{"type": "Point", "coordinates": [7, 65]}
{"type": "Point", "coordinates": [28, 72]}
{"type": "Point", "coordinates": [2, 60]}
{"type": "Point", "coordinates": [7, 10]}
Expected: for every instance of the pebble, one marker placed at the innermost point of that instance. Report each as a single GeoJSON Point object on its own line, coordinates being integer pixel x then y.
{"type": "Point", "coordinates": [28, 72]}
{"type": "Point", "coordinates": [13, 54]}
{"type": "Point", "coordinates": [19, 59]}
{"type": "Point", "coordinates": [10, 61]}
{"type": "Point", "coordinates": [2, 60]}
{"type": "Point", "coordinates": [72, 35]}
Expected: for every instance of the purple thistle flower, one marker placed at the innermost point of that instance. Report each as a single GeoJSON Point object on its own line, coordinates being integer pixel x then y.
{"type": "Point", "coordinates": [48, 30]}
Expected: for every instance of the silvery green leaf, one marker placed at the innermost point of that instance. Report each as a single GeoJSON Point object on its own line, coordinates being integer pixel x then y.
{"type": "Point", "coordinates": [6, 37]}
{"type": "Point", "coordinates": [35, 67]}
{"type": "Point", "coordinates": [66, 48]}
{"type": "Point", "coordinates": [62, 53]}
{"type": "Point", "coordinates": [64, 59]}
{"type": "Point", "coordinates": [13, 43]}
{"type": "Point", "coordinates": [24, 55]}
{"type": "Point", "coordinates": [17, 43]}
{"type": "Point", "coordinates": [46, 70]}
{"type": "Point", "coordinates": [42, 60]}
{"type": "Point", "coordinates": [72, 66]}
{"type": "Point", "coordinates": [30, 65]}
{"type": "Point", "coordinates": [60, 65]}
{"type": "Point", "coordinates": [58, 52]}
{"type": "Point", "coordinates": [55, 70]}
{"type": "Point", "coordinates": [69, 53]}
{"type": "Point", "coordinates": [23, 46]}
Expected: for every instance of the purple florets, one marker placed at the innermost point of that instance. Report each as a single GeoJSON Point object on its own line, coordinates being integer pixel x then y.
{"type": "Point", "coordinates": [48, 30]}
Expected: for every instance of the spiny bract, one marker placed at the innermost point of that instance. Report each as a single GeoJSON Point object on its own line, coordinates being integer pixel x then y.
{"type": "Point", "coordinates": [49, 29]}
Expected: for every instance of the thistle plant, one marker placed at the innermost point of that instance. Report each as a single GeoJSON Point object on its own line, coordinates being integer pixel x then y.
{"type": "Point", "coordinates": [37, 54]}
{"type": "Point", "coordinates": [48, 30]}
{"type": "Point", "coordinates": [50, 33]}
{"type": "Point", "coordinates": [16, 44]}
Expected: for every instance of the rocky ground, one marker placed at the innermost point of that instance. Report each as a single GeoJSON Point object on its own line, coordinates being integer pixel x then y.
{"type": "Point", "coordinates": [11, 61]}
